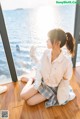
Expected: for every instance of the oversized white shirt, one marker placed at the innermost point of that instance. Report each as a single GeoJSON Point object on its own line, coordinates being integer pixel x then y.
{"type": "Point", "coordinates": [53, 72]}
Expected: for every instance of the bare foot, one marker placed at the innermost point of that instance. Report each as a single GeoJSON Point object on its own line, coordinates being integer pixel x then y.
{"type": "Point", "coordinates": [24, 79]}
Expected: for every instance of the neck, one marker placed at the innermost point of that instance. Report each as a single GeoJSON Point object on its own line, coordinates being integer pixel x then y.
{"type": "Point", "coordinates": [55, 53]}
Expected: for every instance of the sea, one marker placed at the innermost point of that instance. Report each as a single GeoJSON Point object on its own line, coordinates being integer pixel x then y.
{"type": "Point", "coordinates": [29, 27]}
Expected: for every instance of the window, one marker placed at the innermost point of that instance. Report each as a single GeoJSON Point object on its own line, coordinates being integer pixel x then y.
{"type": "Point", "coordinates": [27, 27]}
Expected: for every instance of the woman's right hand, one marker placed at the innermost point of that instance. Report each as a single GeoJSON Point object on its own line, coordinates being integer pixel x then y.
{"type": "Point", "coordinates": [33, 51]}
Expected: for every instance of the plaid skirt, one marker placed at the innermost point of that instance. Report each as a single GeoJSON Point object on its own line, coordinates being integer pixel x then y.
{"type": "Point", "coordinates": [49, 93]}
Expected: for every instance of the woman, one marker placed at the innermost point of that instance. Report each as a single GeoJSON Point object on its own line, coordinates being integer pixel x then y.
{"type": "Point", "coordinates": [53, 67]}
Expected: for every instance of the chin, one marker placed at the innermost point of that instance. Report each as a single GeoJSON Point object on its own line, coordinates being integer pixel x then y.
{"type": "Point", "coordinates": [48, 47]}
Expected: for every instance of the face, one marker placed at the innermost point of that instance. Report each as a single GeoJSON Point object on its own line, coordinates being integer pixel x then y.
{"type": "Point", "coordinates": [54, 46]}
{"type": "Point", "coordinates": [49, 44]}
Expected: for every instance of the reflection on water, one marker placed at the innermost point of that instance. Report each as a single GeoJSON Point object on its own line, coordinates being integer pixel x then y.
{"type": "Point", "coordinates": [29, 27]}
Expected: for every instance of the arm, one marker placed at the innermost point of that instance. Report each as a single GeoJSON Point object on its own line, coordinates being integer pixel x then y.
{"type": "Point", "coordinates": [69, 71]}
{"type": "Point", "coordinates": [63, 88]}
{"type": "Point", "coordinates": [38, 76]}
{"type": "Point", "coordinates": [33, 54]}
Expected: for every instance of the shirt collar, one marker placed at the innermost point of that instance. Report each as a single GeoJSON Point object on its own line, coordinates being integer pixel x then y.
{"type": "Point", "coordinates": [58, 59]}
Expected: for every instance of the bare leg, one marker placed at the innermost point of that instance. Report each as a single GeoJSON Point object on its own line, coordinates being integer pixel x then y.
{"type": "Point", "coordinates": [36, 99]}
{"type": "Point", "coordinates": [28, 90]}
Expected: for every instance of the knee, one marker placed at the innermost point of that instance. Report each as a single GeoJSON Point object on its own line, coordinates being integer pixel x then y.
{"type": "Point", "coordinates": [22, 96]}
{"type": "Point", "coordinates": [29, 102]}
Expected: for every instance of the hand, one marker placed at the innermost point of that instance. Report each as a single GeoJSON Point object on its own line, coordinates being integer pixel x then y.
{"type": "Point", "coordinates": [33, 51]}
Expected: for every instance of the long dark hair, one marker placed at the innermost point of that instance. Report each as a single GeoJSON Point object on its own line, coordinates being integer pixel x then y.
{"type": "Point", "coordinates": [65, 38]}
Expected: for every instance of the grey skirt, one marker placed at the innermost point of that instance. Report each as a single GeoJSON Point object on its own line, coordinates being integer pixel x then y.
{"type": "Point", "coordinates": [49, 93]}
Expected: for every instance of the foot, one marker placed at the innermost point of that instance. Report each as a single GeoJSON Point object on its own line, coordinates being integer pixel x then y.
{"type": "Point", "coordinates": [24, 79]}
{"type": "Point", "coordinates": [3, 89]}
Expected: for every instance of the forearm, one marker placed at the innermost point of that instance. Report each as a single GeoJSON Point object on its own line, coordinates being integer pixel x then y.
{"type": "Point", "coordinates": [38, 79]}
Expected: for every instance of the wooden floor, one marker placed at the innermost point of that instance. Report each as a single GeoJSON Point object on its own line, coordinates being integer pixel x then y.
{"type": "Point", "coordinates": [18, 109]}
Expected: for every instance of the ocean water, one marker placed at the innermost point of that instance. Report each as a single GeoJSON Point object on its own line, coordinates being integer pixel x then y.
{"type": "Point", "coordinates": [27, 27]}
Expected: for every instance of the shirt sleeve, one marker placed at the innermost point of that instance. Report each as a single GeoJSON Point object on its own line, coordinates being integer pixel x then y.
{"type": "Point", "coordinates": [69, 71]}
{"type": "Point", "coordinates": [38, 76]}
{"type": "Point", "coordinates": [33, 54]}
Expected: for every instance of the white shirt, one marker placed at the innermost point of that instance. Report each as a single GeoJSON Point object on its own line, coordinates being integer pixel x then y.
{"type": "Point", "coordinates": [66, 52]}
{"type": "Point", "coordinates": [53, 73]}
